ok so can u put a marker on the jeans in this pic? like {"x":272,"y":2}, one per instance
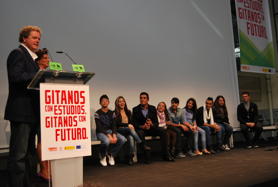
{"x":131,"y":135}
{"x":106,"y":147}
{"x":202,"y":134}
{"x":227,"y":132}
{"x":209,"y":131}
{"x":22,"y":162}
{"x":194,"y":137}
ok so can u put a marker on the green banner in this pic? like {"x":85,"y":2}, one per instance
{"x":255,"y":36}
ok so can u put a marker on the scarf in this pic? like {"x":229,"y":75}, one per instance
{"x":208,"y":116}
{"x":161,"y":119}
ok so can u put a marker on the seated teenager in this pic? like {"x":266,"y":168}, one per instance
{"x":122,"y":118}
{"x":111,"y":141}
{"x":220,"y":114}
{"x":176,"y":115}
{"x":163,"y":123}
{"x":247,"y":115}
{"x":145,"y":120}
{"x":190,"y":111}
{"x":205,"y":120}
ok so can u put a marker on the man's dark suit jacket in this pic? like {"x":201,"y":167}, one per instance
{"x":22,"y":104}
{"x":245,"y":116}
{"x":139,"y":119}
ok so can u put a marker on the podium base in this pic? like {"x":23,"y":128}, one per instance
{"x":67,"y":172}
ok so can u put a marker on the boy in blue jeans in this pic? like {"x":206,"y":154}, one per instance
{"x":111,"y":141}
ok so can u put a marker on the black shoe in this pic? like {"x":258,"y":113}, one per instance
{"x":147,"y":162}
{"x":147,"y":156}
{"x":130,"y":160}
{"x":168,"y":158}
{"x":147,"y":148}
{"x":212,"y":151}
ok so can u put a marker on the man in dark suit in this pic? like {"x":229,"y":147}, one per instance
{"x":247,"y":115}
{"x":22,"y":108}
{"x":145,"y":120}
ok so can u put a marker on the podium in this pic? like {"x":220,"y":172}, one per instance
{"x":65,"y":155}
{"x":59,"y":77}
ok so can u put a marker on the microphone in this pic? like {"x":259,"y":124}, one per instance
{"x":62,"y":52}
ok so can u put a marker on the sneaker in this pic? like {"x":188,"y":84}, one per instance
{"x":190,"y":153}
{"x":135,"y":159}
{"x":206,"y":152}
{"x":222,"y":148}
{"x":103,"y":161}
{"x":180,"y":155}
{"x":111,"y":160}
{"x":256,"y":146}
{"x":248,"y":147}
{"x":227,"y":148}
{"x":198,"y":153}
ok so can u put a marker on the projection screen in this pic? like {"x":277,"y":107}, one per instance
{"x":168,"y":48}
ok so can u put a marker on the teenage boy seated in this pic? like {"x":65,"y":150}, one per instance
{"x":206,"y":121}
{"x":146,"y":123}
{"x":247,"y":115}
{"x":178,"y":125}
{"x":111,"y":141}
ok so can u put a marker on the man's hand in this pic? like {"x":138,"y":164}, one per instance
{"x":250,"y":124}
{"x":149,"y":121}
{"x":216,"y":127}
{"x":184,"y":128}
{"x":146,"y":126}
{"x":130,"y":126}
{"x":194,"y":128}
{"x":112,"y":138}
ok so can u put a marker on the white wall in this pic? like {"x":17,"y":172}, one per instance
{"x":167,"y":48}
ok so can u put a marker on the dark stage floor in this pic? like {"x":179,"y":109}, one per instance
{"x":238,"y":167}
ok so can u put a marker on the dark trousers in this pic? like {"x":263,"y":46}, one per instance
{"x":22,"y":157}
{"x":188,"y":142}
{"x":257,"y":129}
{"x":171,"y":139}
{"x":154,"y":132}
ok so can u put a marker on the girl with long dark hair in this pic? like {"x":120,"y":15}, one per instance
{"x":220,"y":114}
{"x":122,"y":118}
{"x":190,"y":111}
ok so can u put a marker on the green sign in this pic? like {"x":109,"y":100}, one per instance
{"x":78,"y":68}
{"x":55,"y":66}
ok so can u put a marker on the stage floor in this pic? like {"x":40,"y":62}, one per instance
{"x":238,"y":167}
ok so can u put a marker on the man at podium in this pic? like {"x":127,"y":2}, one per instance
{"x":22,"y":107}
